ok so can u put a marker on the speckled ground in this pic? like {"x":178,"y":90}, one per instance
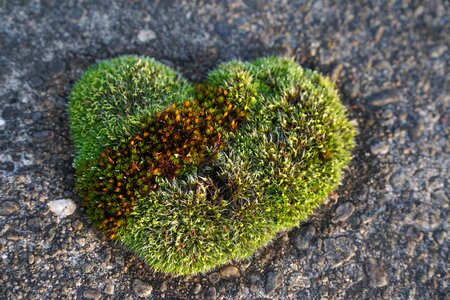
{"x":383,"y":236}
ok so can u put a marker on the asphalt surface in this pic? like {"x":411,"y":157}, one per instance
{"x":382,"y":235}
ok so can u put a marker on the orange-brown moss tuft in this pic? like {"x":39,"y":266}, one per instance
{"x":188,"y":134}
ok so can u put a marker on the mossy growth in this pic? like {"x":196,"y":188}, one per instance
{"x":191,"y":177}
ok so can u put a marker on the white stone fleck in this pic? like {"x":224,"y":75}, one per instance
{"x":2,"y":122}
{"x":62,"y":207}
{"x":381,"y":148}
{"x":146,"y":35}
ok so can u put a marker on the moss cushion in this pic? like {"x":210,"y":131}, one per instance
{"x":193,"y":176}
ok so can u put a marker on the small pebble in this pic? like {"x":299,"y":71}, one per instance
{"x":384,"y":97}
{"x":302,"y":239}
{"x":416,"y":131}
{"x":8,"y":208}
{"x":81,"y":241}
{"x":214,"y":277}
{"x":88,"y":267}
{"x":163,"y":287}
{"x":141,"y":288}
{"x":398,"y":180}
{"x":146,"y":35}
{"x":109,"y":289}
{"x":92,"y":294}
{"x":43,"y":136}
{"x":13,"y":236}
{"x":222,"y":29}
{"x":298,"y":280}
{"x":229,"y":271}
{"x":77,"y":225}
{"x":211,"y":293}
{"x":36,"y":81}
{"x":197,"y":289}
{"x":380,"y":148}
{"x":273,"y":281}
{"x":56,"y":66}
{"x":338,"y":250}
{"x":336,"y":72}
{"x":377,"y":274}
{"x":63,"y":207}
{"x":437,"y":51}
{"x":343,"y":212}
{"x":31,"y":259}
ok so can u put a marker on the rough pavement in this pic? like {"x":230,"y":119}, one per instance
{"x":383,"y":235}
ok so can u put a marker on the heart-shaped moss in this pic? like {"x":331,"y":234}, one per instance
{"x":193,"y":177}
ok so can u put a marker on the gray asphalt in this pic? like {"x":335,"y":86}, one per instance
{"x":382,"y":235}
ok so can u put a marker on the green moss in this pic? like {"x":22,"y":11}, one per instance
{"x":107,"y":104}
{"x":270,"y":143}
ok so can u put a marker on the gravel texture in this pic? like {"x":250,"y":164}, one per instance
{"x":383,"y":235}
